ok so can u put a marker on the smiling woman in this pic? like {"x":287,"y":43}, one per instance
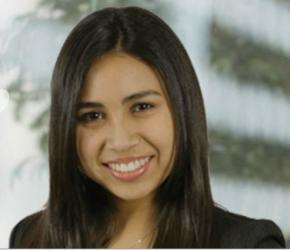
{"x":128,"y":147}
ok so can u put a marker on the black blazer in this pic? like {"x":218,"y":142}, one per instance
{"x":236,"y":231}
{"x":229,"y":231}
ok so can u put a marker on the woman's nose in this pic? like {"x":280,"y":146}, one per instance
{"x":121,"y":138}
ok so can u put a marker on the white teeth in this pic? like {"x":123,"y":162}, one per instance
{"x":132,"y":166}
{"x":123,"y":167}
{"x":137,"y":163}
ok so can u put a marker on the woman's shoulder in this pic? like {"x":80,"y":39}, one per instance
{"x":232,"y":230}
{"x":21,"y":229}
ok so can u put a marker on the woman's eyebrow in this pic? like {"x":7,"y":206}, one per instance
{"x":138,"y":95}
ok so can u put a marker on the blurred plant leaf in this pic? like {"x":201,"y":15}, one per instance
{"x":238,"y":56}
{"x":41,"y":120}
{"x":249,"y":158}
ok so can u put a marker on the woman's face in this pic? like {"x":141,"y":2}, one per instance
{"x":125,"y":130}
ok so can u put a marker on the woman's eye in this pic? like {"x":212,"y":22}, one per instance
{"x":91,"y":116}
{"x":142,"y":107}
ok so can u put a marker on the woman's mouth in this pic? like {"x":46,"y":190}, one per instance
{"x":130,"y":170}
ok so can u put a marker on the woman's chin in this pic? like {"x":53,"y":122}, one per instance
{"x":133,"y":195}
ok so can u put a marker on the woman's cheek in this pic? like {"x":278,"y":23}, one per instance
{"x":86,"y":146}
{"x":160,"y":132}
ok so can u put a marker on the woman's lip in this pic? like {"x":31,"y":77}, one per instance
{"x":130,"y":176}
{"x":126,"y":160}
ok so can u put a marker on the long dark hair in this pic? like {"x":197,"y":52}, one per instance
{"x":80,"y":213}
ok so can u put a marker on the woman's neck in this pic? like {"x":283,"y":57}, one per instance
{"x":137,"y":222}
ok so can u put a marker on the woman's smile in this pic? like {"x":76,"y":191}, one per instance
{"x":131,"y":170}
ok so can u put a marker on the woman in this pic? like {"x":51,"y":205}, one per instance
{"x":128,"y":148}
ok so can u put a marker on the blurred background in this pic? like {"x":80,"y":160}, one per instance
{"x":241,"y":53}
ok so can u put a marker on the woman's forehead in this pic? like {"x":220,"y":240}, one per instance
{"x":120,"y":73}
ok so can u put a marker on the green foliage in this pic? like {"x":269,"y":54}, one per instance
{"x":236,"y":55}
{"x":72,"y":10}
{"x":249,"y":158}
{"x":21,"y":97}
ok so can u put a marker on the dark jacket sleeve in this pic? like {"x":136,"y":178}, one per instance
{"x":268,"y":235}
{"x":236,"y":231}
{"x":20,"y":230}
